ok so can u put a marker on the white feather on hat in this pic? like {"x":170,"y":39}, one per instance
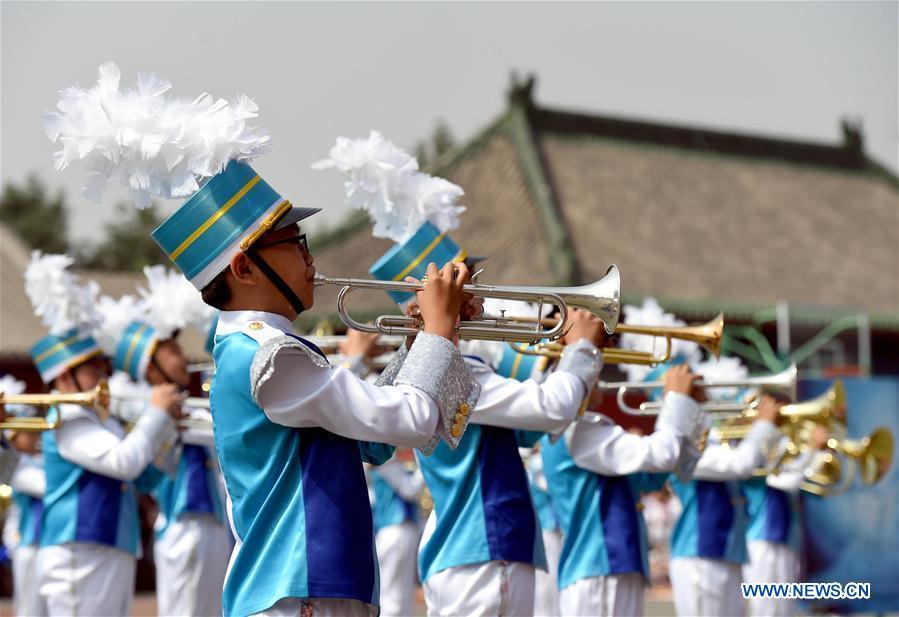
{"x":117,"y":316}
{"x":11,"y":385}
{"x":722,"y":369}
{"x":147,"y":141}
{"x":385,"y":181}
{"x":58,"y":297}
{"x":171,"y":303}
{"x":650,"y":313}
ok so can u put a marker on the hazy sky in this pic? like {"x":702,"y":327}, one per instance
{"x":322,"y":70}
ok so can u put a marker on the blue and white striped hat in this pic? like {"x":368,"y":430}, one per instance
{"x":226,"y":216}
{"x":56,"y":353}
{"x":411,"y":258}
{"x":68,"y":310}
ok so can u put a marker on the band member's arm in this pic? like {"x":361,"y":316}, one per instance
{"x":82,"y":440}
{"x":548,"y":406}
{"x":29,"y":478}
{"x":719,"y":462}
{"x":598,"y":445}
{"x":295,"y":387}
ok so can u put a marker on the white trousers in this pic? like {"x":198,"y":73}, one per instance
{"x":605,"y":596}
{"x":492,"y":588}
{"x":26,"y":596}
{"x":707,"y":587}
{"x":397,"y":547}
{"x":546,"y":584}
{"x":86,"y":579}
{"x":771,"y":563}
{"x":318,"y":607}
{"x":191,"y":558}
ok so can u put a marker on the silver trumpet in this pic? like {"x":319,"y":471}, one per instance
{"x":602,"y":298}
{"x":783,"y":383}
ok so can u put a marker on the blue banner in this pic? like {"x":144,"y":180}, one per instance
{"x":854,"y":536}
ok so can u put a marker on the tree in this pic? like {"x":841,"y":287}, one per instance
{"x":127,"y":244}
{"x":40,"y":220}
{"x":441,"y":141}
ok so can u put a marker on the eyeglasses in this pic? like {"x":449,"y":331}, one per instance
{"x":300,"y":239}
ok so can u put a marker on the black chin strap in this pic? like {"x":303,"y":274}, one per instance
{"x":165,"y":375}
{"x":276,"y":280}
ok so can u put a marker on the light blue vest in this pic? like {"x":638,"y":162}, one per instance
{"x":30,"y":512}
{"x":191,"y":491}
{"x":599,"y":515}
{"x":83,"y":506}
{"x":773,"y":514}
{"x":712,"y":523}
{"x":389,"y":508}
{"x":482,"y":503}
{"x":543,"y":504}
{"x":299,"y":500}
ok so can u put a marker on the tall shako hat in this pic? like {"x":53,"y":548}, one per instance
{"x":66,"y":308}
{"x":133,"y":327}
{"x":177,"y":148}
{"x":410,"y":207}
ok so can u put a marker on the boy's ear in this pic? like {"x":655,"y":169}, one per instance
{"x":243,"y":270}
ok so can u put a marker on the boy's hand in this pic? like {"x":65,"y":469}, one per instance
{"x":582,"y":324}
{"x":820,"y":437}
{"x":358,"y":343}
{"x":680,"y":379}
{"x":168,"y":397}
{"x":442,"y":298}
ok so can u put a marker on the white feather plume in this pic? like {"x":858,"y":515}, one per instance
{"x":11,"y":385}
{"x":722,"y":369}
{"x":117,"y":316}
{"x":171,"y":303}
{"x":385,"y":181}
{"x":147,"y":141}
{"x":58,"y":297}
{"x":650,"y":313}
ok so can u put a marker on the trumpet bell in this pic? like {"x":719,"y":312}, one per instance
{"x":830,"y":404}
{"x":876,"y":456}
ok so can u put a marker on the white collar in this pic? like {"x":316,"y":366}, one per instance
{"x":234,"y":321}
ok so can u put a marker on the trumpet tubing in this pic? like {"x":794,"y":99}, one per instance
{"x":783,"y":383}
{"x":602,"y":298}
{"x":96,"y":398}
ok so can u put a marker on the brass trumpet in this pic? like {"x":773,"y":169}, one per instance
{"x":783,"y":383}
{"x":869,"y":458}
{"x":707,"y":335}
{"x":97,"y":399}
{"x":602,"y":298}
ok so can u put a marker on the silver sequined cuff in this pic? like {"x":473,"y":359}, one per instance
{"x":435,"y":366}
{"x":584,"y":360}
{"x":263,"y":366}
{"x":681,"y":415}
{"x":388,"y":375}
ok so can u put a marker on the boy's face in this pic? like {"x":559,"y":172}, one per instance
{"x":84,"y":377}
{"x":291,"y":261}
{"x":170,"y":364}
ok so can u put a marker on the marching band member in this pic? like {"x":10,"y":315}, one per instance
{"x":481,"y":544}
{"x":774,"y":529}
{"x":708,"y":546}
{"x":289,"y":428}
{"x":596,"y":475}
{"x":192,"y":543}
{"x":29,"y":485}
{"x":89,"y":531}
{"x":397,"y":490}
